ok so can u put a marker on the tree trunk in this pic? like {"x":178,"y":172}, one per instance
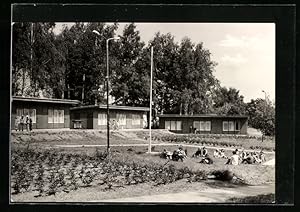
{"x":180,"y":109}
{"x":23,"y":82}
{"x":14,"y":81}
{"x":68,"y":91}
{"x":186,"y":108}
{"x":191,"y":110}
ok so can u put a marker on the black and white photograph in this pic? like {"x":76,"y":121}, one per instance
{"x":143,"y":112}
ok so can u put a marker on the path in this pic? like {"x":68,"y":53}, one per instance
{"x":208,"y":195}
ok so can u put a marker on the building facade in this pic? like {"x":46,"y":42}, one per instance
{"x":95,"y":117}
{"x":45,"y":113}
{"x":204,"y":124}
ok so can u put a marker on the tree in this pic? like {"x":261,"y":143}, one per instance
{"x":195,"y":80}
{"x":262,"y":115}
{"x":164,"y":73}
{"x":86,"y":59}
{"x":36,"y":59}
{"x":229,"y":102}
{"x":20,"y":56}
{"x":183,"y":76}
{"x":129,"y":81}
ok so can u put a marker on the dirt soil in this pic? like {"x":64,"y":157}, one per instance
{"x":98,"y":193}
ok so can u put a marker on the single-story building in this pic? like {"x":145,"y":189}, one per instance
{"x":204,"y":124}
{"x":45,"y":113}
{"x":95,"y":117}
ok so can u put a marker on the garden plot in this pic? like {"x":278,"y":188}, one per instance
{"x":42,"y":173}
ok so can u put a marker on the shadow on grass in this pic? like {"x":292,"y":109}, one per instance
{"x":223,"y":184}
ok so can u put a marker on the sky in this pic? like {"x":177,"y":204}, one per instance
{"x":244,"y":52}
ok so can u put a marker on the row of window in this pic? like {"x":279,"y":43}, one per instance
{"x":203,"y":125}
{"x":231,"y":126}
{"x":173,"y":125}
{"x":120,"y":118}
{"x":54,"y":115}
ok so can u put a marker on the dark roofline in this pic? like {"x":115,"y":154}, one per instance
{"x":111,"y":107}
{"x":201,"y":116}
{"x":45,"y":100}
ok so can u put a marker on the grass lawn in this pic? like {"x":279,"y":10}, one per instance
{"x":96,"y":137}
{"x":253,"y":174}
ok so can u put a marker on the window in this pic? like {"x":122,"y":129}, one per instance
{"x":32,"y":115}
{"x":225,"y":125}
{"x":102,"y":119}
{"x":121,"y":118}
{"x":50,"y":116}
{"x":228,"y":126}
{"x":237,"y":126}
{"x":19,"y":112}
{"x":136,"y":119}
{"x":197,"y":125}
{"x":202,"y":125}
{"x":178,"y":125}
{"x":55,"y":116}
{"x":25,"y":111}
{"x":231,"y":126}
{"x":208,"y":126}
{"x":173,"y":125}
{"x":61,"y":116}
{"x":167,"y":125}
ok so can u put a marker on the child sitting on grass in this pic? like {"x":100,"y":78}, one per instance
{"x":234,"y":159}
{"x":206,"y":160}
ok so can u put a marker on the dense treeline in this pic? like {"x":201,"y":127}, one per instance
{"x":72,"y":65}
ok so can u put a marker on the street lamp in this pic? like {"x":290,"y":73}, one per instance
{"x":107,"y":83}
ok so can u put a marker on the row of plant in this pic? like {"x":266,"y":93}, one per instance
{"x":50,"y":172}
{"x":208,"y":141}
{"x":221,"y":136}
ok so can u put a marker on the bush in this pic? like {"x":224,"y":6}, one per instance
{"x":235,"y":141}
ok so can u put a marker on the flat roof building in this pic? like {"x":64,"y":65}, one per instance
{"x":45,"y":113}
{"x":121,"y":117}
{"x":204,"y":123}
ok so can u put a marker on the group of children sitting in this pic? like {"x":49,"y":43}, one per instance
{"x":203,"y":153}
{"x":252,"y":157}
{"x":243,"y":157}
{"x":181,"y":154}
{"x":177,"y":155}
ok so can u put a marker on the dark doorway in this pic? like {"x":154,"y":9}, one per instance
{"x":90,"y":120}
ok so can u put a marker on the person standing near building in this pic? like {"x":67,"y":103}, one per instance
{"x":30,"y":123}
{"x":27,"y":123}
{"x":21,"y":123}
{"x":17,"y":123}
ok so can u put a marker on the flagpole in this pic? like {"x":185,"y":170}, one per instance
{"x":150,"y":117}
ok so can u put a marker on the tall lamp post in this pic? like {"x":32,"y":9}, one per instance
{"x":107,"y":84}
